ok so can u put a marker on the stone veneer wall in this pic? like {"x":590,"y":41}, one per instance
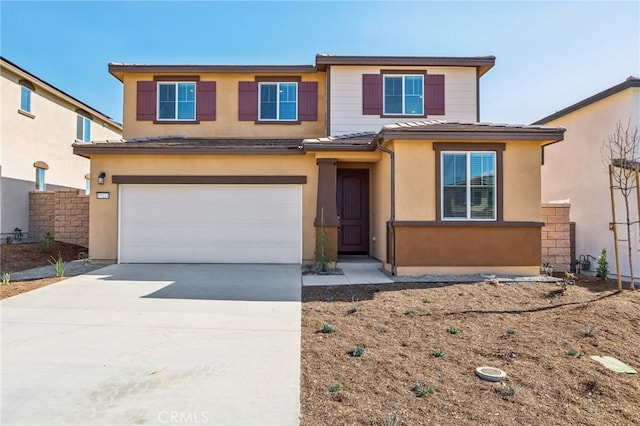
{"x":63,"y":213}
{"x":556,"y":236}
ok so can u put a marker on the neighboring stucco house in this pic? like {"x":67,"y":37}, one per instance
{"x":39,"y":125}
{"x":365,"y":155}
{"x":577,"y":171}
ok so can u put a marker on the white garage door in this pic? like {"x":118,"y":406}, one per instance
{"x":210,"y":224}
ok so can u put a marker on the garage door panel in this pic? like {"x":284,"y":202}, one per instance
{"x":210,"y":223}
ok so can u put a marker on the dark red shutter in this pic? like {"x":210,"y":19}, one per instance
{"x":248,"y":101}
{"x":372,"y":94}
{"x":206,"y":101}
{"x":146,"y":101}
{"x":434,"y":94}
{"x":308,"y":101}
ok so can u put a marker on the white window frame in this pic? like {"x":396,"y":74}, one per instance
{"x":25,"y":92}
{"x":403,"y":79}
{"x":277,"y":84}
{"x":41,"y":183}
{"x":177,"y":102}
{"x":468,"y":186}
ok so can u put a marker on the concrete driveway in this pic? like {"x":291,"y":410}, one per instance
{"x":155,"y":344}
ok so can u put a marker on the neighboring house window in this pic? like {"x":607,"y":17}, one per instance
{"x":87,"y":186}
{"x":177,"y":101}
{"x":278,"y":101}
{"x":25,"y":99}
{"x":83,"y":128}
{"x":468,"y":185}
{"x":403,"y":95}
{"x":392,"y":93}
{"x":40,"y":182}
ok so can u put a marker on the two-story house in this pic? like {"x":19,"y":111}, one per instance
{"x":279,"y":164}
{"x":39,"y":125}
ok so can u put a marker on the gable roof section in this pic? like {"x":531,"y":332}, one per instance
{"x":38,"y":82}
{"x":629,"y":82}
{"x":482,"y":63}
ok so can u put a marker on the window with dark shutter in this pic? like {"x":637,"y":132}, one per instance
{"x":434,"y":94}
{"x":308,"y":101}
{"x":248,"y":101}
{"x":206,"y":101}
{"x":372,"y":94}
{"x":146,"y":101}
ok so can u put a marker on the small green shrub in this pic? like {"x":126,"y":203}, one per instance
{"x":508,"y":391}
{"x":453,"y":330}
{"x":567,"y":280}
{"x":6,"y":278}
{"x":336,"y":388}
{"x":8,"y":239}
{"x":511,"y":332}
{"x":328,"y":328}
{"x":58,"y":265}
{"x":422,"y":390}
{"x":438,"y":353}
{"x":574,"y":353}
{"x":393,"y":420}
{"x":589,"y":332}
{"x":410,"y":312}
{"x":355,"y":307}
{"x":320,"y":310}
{"x":593,"y":383}
{"x":356,"y":351}
{"x":602,"y":271}
{"x":426,"y":300}
{"x":48,"y":242}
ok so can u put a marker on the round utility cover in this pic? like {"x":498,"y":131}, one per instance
{"x":491,"y":374}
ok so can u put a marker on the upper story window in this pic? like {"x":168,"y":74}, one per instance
{"x":177,"y":101}
{"x":25,"y":99}
{"x":403,"y":95}
{"x":394,"y":93}
{"x":278,"y":101}
{"x":189,"y":101}
{"x":83,"y":128}
{"x":26,"y":88}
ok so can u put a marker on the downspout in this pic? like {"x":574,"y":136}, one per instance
{"x":392,"y":237}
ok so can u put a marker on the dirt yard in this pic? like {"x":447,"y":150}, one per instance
{"x":438,"y":335}
{"x":21,"y":256}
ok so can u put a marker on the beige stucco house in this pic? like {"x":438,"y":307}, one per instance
{"x":39,"y":124}
{"x":576,"y":171}
{"x":381,"y":156}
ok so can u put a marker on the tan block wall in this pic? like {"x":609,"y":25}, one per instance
{"x":556,"y":236}
{"x":64,"y":213}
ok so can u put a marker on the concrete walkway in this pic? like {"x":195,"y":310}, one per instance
{"x":155,"y":344}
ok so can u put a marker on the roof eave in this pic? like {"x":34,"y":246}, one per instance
{"x":118,"y":70}
{"x":550,"y":136}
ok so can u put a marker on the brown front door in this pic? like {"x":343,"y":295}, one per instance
{"x":353,"y":210}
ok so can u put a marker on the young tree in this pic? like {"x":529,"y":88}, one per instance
{"x":621,"y":149}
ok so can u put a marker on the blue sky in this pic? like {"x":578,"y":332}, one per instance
{"x":549,"y":54}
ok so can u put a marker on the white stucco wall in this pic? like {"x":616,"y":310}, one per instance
{"x":346,"y":97}
{"x":575,"y":169}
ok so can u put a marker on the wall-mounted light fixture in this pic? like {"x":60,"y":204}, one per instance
{"x":101,"y":177}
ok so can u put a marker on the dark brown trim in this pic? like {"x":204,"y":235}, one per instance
{"x":477,"y":97}
{"x":498,"y":148}
{"x":26,"y":83}
{"x":483,"y":63}
{"x":41,"y":165}
{"x":479,"y":135}
{"x":404,"y":117}
{"x":278,"y":79}
{"x":117,"y":70}
{"x":465,"y":223}
{"x":404,"y":72}
{"x":176,"y":78}
{"x":207,"y":180}
{"x":156,"y":121}
{"x":87,"y":149}
{"x":277,"y":122}
{"x":630,"y":82}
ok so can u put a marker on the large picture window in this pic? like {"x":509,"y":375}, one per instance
{"x":278,"y":101}
{"x":468,"y":185}
{"x":403,"y":95}
{"x":177,"y":101}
